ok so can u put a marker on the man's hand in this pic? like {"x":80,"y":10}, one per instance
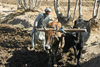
{"x":35,"y":28}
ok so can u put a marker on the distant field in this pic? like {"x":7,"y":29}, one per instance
{"x":8,"y":1}
{"x":50,"y":2}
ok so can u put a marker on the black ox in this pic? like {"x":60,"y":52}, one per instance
{"x":76,"y":40}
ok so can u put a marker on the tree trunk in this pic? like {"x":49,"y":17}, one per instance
{"x":31,"y":3}
{"x":40,"y":2}
{"x":60,"y":17}
{"x":19,"y":4}
{"x":68,"y":11}
{"x":75,"y":9}
{"x":94,"y":8}
{"x":28,"y":4}
{"x":80,"y":10}
{"x":97,"y":12}
{"x":25,"y":5}
{"x":56,"y":7}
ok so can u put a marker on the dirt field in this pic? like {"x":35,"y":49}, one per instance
{"x":15,"y":39}
{"x":14,"y":44}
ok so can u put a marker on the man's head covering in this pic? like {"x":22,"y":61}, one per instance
{"x":48,"y":10}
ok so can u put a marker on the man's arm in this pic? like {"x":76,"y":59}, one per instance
{"x":36,"y":21}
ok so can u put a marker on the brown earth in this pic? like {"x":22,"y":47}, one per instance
{"x":14,"y":52}
{"x":13,"y":49}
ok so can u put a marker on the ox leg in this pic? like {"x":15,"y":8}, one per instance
{"x":47,"y":46}
{"x":55,"y":57}
{"x":76,"y":55}
{"x":79,"y":55}
{"x":54,"y":60}
{"x":50,"y":59}
{"x":43,"y":44}
{"x":55,"y":50}
{"x":33,"y":41}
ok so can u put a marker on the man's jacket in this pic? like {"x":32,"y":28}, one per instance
{"x":42,"y":20}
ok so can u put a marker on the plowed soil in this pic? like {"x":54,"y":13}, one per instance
{"x":14,"y":52}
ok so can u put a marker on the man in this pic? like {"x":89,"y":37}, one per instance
{"x":41,"y":21}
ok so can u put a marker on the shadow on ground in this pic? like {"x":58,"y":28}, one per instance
{"x":23,"y":22}
{"x":95,"y":62}
{"x":25,"y":58}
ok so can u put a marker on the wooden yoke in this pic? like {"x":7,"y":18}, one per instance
{"x":66,"y":30}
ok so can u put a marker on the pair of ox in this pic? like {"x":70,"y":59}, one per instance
{"x":75,"y":40}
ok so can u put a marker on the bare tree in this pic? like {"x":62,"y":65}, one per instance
{"x":64,"y":19}
{"x":75,"y":9}
{"x":32,"y":4}
{"x":40,"y":2}
{"x":60,"y":17}
{"x":98,"y":8}
{"x":25,"y":5}
{"x":68,"y":12}
{"x":94,"y":8}
{"x":29,"y":4}
{"x":96,"y":11}
{"x":80,"y":8}
{"x":19,"y":4}
{"x":94,"y":20}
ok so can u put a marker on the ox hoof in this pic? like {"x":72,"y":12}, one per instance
{"x":77,"y":66}
{"x":50,"y":64}
{"x":55,"y":65}
{"x":47,"y":47}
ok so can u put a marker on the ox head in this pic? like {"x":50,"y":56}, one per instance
{"x":53,"y":36}
{"x":82,"y":24}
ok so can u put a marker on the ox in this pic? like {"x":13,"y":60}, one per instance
{"x":76,"y":40}
{"x":53,"y":39}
